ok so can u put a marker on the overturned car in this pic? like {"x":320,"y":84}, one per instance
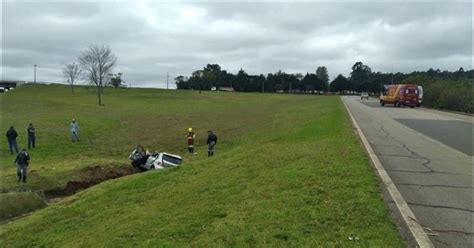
{"x":153,"y":161}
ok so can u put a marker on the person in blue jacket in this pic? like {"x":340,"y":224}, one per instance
{"x":11,"y":137}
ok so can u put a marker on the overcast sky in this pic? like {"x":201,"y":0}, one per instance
{"x":153,"y":38}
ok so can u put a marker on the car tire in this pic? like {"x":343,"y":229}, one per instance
{"x":412,"y":106}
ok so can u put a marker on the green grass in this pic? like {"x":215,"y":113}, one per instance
{"x":289,"y":171}
{"x":17,"y":203}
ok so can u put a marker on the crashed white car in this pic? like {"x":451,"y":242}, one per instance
{"x":156,"y":161}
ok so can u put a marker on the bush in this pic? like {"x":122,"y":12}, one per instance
{"x":450,"y":95}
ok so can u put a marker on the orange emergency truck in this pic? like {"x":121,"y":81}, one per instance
{"x":400,"y":94}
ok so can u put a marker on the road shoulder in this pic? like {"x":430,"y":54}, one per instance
{"x":409,"y":219}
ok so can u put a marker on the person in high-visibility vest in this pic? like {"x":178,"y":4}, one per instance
{"x":191,"y":136}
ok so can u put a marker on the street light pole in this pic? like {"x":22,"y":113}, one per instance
{"x":35,"y":73}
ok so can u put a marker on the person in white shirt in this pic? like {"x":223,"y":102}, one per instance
{"x":74,"y":130}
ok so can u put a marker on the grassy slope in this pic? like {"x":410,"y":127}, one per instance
{"x":157,"y":119}
{"x":18,"y":203}
{"x":289,"y":172}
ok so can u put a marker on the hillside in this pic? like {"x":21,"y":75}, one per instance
{"x":288,"y":171}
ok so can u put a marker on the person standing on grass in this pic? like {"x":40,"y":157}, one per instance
{"x":191,"y":136}
{"x":211,"y":143}
{"x":11,"y":137}
{"x":31,"y":136}
{"x":74,"y":130}
{"x":22,"y":160}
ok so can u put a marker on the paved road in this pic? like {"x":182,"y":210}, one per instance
{"x":428,"y":155}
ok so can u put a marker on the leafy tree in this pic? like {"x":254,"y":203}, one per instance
{"x":322,"y":74}
{"x":116,"y":80}
{"x":224,"y":79}
{"x":459,"y":74}
{"x":310,"y":82}
{"x":270,"y":83}
{"x":210,"y":75}
{"x":260,"y":81}
{"x":360,"y":77}
{"x":294,"y":82}
{"x":241,"y":80}
{"x":181,"y":83}
{"x":340,"y":84}
{"x":195,"y":81}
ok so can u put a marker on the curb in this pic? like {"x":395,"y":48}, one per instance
{"x":409,"y":218}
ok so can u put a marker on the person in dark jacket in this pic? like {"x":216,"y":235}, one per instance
{"x":211,"y":143}
{"x":11,"y":136}
{"x":31,"y":136}
{"x":22,"y":160}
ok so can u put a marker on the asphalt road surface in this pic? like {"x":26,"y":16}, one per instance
{"x":428,"y":155}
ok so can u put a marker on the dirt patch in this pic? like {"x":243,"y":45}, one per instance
{"x":91,"y":176}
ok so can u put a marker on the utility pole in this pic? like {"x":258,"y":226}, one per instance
{"x":167,"y":79}
{"x":35,"y":73}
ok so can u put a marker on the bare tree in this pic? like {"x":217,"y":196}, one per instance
{"x":71,"y":72}
{"x":97,"y":63}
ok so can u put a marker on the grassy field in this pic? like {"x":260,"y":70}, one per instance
{"x":289,"y":171}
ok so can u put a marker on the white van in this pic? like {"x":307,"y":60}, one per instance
{"x":420,"y":95}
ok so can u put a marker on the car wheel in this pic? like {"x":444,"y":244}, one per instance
{"x":412,"y":106}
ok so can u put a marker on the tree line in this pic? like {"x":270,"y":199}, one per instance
{"x":444,"y":89}
{"x":212,"y":76}
{"x":361,"y":79}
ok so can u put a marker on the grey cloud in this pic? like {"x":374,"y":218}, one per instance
{"x":151,"y":39}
